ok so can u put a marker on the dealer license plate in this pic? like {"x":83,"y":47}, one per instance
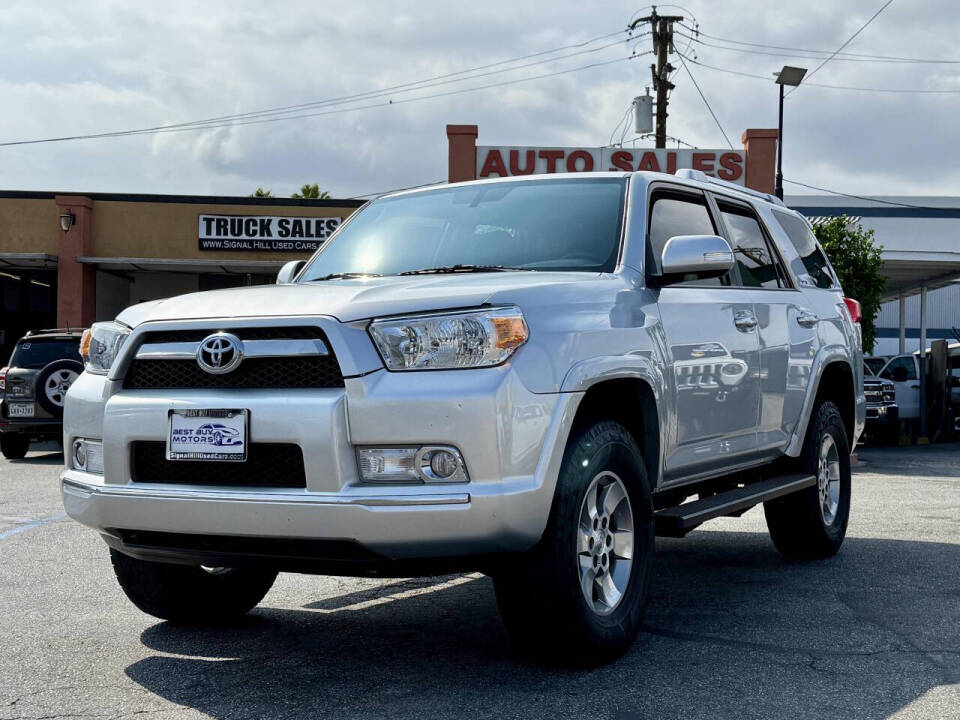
{"x":19,"y":409}
{"x":208,"y":435}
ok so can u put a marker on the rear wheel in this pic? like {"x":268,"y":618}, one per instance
{"x":579,"y":595}
{"x":190,"y":594}
{"x":813,"y":522}
{"x":14,"y":445}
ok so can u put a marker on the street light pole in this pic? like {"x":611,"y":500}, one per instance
{"x":788,"y":76}
{"x":778,"y":190}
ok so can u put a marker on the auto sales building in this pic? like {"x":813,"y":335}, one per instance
{"x":67,"y":260}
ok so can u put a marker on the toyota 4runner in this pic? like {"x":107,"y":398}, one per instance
{"x":530,"y":377}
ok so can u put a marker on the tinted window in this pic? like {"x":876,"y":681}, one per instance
{"x":566,"y":224}
{"x":679,"y":215}
{"x":805,"y":243}
{"x":904,"y":362}
{"x":755,"y":259}
{"x":35,"y":354}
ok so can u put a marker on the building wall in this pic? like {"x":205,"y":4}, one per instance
{"x":943,"y":314}
{"x":29,"y":225}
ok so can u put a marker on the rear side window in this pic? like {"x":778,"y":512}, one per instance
{"x":678,"y":214}
{"x":36,"y":354}
{"x":805,"y":243}
{"x":755,"y":258}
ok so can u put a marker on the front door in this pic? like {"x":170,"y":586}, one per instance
{"x":713,"y":350}
{"x":902,"y":371}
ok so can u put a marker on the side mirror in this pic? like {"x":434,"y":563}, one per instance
{"x":289,"y":271}
{"x":693,"y":257}
{"x":900,"y":374}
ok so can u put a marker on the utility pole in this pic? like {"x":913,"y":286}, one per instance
{"x":661,"y":28}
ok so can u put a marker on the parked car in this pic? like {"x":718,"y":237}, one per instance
{"x":875,"y":364}
{"x":883,"y":413}
{"x":904,"y":371}
{"x":33,"y":388}
{"x":522,"y":376}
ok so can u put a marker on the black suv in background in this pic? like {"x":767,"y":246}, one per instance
{"x":33,"y":387}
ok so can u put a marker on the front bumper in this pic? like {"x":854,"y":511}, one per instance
{"x":507,"y":435}
{"x":882,"y":417}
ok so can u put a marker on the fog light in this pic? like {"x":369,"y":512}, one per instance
{"x":407,"y":465}
{"x":442,"y":464}
{"x":88,"y":456}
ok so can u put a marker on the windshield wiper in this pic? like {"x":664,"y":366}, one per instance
{"x":343,"y":276}
{"x":462,"y":268}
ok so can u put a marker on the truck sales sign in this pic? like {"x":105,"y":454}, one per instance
{"x":266,"y":233}
{"x":508,"y":161}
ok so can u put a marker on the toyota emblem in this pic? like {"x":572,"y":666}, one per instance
{"x":219,"y":353}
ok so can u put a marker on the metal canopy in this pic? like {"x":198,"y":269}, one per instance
{"x":227,"y":267}
{"x":27,"y":261}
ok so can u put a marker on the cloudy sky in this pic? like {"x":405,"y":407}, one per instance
{"x":70,"y":68}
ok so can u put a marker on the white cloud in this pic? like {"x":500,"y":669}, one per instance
{"x":116,"y":65}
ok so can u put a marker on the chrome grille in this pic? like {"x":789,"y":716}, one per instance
{"x":274,"y":357}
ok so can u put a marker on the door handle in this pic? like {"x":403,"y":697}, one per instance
{"x":807,"y":319}
{"x":745,"y":321}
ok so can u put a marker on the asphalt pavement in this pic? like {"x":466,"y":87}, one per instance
{"x":732,"y":631}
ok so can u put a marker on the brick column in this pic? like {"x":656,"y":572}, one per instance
{"x":462,"y":162}
{"x":76,"y":282}
{"x":761,"y":149}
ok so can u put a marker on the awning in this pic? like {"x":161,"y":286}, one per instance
{"x":906,"y":272}
{"x":227,"y":267}
{"x":27,"y":261}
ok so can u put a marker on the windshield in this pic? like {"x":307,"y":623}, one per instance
{"x":571,"y":225}
{"x":34,"y":354}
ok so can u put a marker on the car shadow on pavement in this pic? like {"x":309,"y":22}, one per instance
{"x":731,"y":631}
{"x":47,"y":458}
{"x":927,"y":461}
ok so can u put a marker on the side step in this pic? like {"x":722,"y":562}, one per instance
{"x":678,"y":521}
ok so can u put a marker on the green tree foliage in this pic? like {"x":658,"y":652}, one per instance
{"x":312,"y":192}
{"x":260,"y":192}
{"x":856,"y":258}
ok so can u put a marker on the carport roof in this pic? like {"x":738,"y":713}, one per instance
{"x":920,"y":236}
{"x":230,"y":267}
{"x":27,"y":261}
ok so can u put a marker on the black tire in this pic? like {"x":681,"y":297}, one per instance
{"x":39,"y":386}
{"x":14,"y":446}
{"x":798,"y":526}
{"x":539,"y":595}
{"x":189,"y":594}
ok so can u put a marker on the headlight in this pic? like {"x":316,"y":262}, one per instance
{"x":481,"y":338}
{"x":100,"y":344}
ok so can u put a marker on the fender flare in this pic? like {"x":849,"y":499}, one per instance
{"x":825,"y":356}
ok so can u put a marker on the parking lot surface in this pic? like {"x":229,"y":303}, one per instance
{"x":731,"y":631}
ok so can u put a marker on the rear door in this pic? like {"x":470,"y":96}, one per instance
{"x":713,"y":351}
{"x":787,"y":326}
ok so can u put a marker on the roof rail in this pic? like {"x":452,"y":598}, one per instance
{"x":700,"y":176}
{"x":49,"y":331}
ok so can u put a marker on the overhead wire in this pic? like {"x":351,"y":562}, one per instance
{"x":705,"y":101}
{"x":289,"y":112}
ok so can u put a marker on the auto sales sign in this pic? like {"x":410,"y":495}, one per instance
{"x":267,"y":233}
{"x":496,"y":161}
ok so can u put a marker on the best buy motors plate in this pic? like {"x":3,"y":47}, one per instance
{"x":208,"y":435}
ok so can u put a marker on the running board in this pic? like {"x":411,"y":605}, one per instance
{"x":678,"y":521}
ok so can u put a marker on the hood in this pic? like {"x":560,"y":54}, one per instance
{"x":347,"y":300}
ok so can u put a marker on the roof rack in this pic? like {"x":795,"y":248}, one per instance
{"x":700,"y":176}
{"x":53,"y":331}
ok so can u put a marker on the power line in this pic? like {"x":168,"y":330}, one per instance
{"x":918,"y":91}
{"x":270,"y":114}
{"x":862,"y":197}
{"x":848,"y":41}
{"x":697,"y":31}
{"x":810,"y":56}
{"x":705,"y":101}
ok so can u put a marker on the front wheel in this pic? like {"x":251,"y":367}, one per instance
{"x":579,"y":595}
{"x":189,"y":594}
{"x":812,"y":523}
{"x":14,"y":446}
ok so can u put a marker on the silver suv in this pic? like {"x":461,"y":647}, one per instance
{"x":530,"y":377}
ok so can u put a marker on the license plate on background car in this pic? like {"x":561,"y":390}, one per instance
{"x":208,"y":435}
{"x":20,"y":410}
